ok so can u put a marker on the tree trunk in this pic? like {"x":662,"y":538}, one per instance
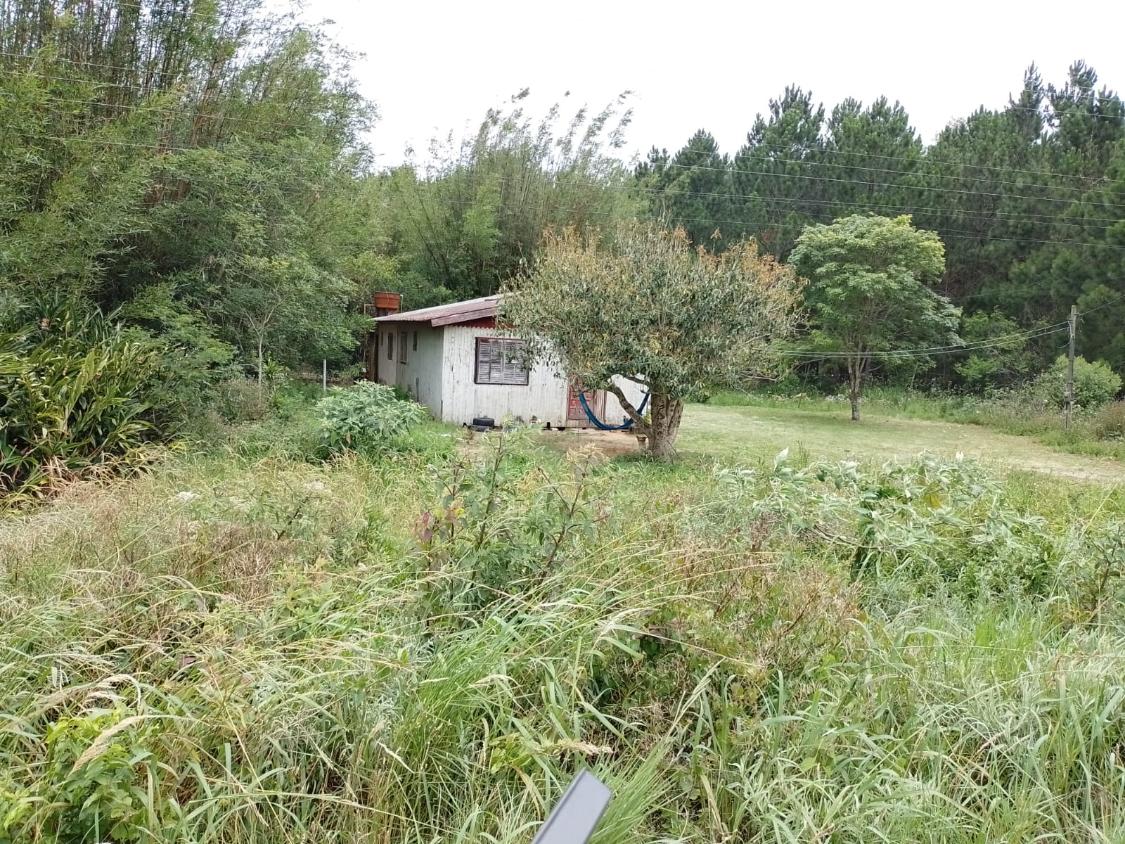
{"x":855,"y":384}
{"x":662,"y":425}
{"x":261,"y":365}
{"x":665,"y":425}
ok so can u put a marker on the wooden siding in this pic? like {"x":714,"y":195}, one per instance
{"x":421,"y":375}
{"x":544,"y":399}
{"x":440,"y":375}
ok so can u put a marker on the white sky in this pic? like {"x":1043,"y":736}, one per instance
{"x":433,"y":66}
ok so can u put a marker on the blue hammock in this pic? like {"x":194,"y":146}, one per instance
{"x":602,"y":426}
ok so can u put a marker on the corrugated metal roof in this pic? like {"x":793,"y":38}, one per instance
{"x":451,"y":314}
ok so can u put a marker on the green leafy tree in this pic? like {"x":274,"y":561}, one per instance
{"x":980,"y":183}
{"x":869,"y":292}
{"x":1002,"y":355}
{"x":652,"y":308}
{"x":189,"y":167}
{"x":474,"y":214}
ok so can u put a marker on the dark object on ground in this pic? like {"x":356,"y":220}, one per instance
{"x":483,"y":422}
{"x":577,"y":813}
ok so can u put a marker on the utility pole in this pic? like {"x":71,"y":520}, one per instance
{"x":1073,"y":326}
{"x":324,"y":374}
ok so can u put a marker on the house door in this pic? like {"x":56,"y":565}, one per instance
{"x":576,"y":414}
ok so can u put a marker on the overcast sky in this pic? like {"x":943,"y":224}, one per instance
{"x":433,"y":66}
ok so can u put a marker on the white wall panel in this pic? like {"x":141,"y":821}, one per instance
{"x":421,"y":375}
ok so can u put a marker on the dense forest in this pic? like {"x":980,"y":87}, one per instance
{"x":196,"y":170}
{"x":1027,"y":200}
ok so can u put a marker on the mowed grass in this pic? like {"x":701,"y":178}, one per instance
{"x":750,"y":434}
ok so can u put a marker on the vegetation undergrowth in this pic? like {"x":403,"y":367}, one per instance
{"x":424,"y":643}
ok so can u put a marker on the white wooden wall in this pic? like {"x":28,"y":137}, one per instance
{"x":440,"y":374}
{"x":543,"y":400}
{"x":634,"y":392}
{"x":421,"y":375}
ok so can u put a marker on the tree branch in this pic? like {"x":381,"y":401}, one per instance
{"x":627,"y":406}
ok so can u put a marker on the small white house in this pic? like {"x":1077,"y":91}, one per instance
{"x":456,"y":361}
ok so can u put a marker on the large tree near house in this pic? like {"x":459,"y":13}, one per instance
{"x":648,"y":306}
{"x":869,"y":294}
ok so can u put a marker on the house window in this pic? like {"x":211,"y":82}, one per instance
{"x":391,"y":346}
{"x":402,"y":347}
{"x":415,"y":342}
{"x":501,"y":361}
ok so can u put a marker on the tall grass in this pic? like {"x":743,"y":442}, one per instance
{"x":426,"y":646}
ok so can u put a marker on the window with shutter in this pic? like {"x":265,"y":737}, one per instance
{"x":501,"y":360}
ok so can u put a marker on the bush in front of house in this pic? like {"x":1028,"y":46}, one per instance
{"x":365,"y":417}
{"x":1095,"y":383}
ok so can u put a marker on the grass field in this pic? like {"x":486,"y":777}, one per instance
{"x":1094,"y":432}
{"x":249,"y":644}
{"x":741,"y":433}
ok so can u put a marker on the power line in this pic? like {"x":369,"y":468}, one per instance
{"x":945,"y":233}
{"x":922,"y":161}
{"x":1025,"y":217}
{"x":1055,"y":114}
{"x":734,"y":169}
{"x":1112,"y":301}
{"x":1005,"y":340}
{"x":103,"y":83}
{"x":715,"y":222}
{"x":923,"y":154}
{"x":147,"y":90}
{"x":1029,"y":217}
{"x":1015,"y":217}
{"x":131,"y":108}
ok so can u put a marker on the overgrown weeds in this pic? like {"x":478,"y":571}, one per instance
{"x":425,"y":646}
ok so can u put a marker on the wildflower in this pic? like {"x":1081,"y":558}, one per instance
{"x":186,"y":496}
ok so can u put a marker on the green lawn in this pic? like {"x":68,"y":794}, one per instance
{"x":756,"y":433}
{"x":732,"y":432}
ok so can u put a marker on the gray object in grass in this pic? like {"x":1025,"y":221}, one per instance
{"x":577,"y":814}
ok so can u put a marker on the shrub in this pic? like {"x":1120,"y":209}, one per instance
{"x":1094,"y":383}
{"x":999,"y":359}
{"x":1109,"y":424}
{"x":365,"y":417}
{"x":73,"y":395}
{"x":242,"y":400}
